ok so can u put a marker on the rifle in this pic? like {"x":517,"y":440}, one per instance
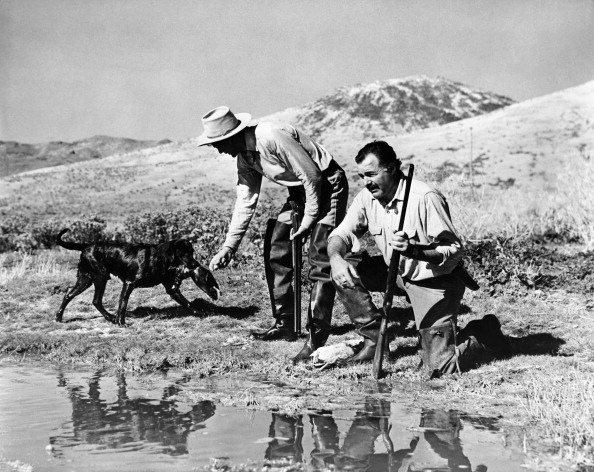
{"x":390,"y":285}
{"x":297,"y":254}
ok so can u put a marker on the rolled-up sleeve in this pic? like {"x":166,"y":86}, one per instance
{"x":249,"y":183}
{"x":353,"y":227}
{"x":440,"y":229}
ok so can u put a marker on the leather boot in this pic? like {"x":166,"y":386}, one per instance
{"x":282,"y":329}
{"x":438,"y":349}
{"x":370,"y":333}
{"x":278,"y":267}
{"x":316,"y":338}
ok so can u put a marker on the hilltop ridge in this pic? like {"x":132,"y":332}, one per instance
{"x":523,"y":145}
{"x":368,"y":111}
{"x":21,"y":157}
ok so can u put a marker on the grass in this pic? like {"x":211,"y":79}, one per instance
{"x":543,"y":325}
{"x":563,"y":405}
{"x":544,"y":299}
{"x":18,"y":265}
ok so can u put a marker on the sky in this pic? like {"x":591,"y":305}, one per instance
{"x":149,"y":69}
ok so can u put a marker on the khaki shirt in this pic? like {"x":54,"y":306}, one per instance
{"x":285,"y":155}
{"x":427,"y":222}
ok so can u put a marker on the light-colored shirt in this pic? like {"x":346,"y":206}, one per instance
{"x":285,"y":155}
{"x":427,"y":222}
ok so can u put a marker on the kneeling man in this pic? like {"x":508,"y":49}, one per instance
{"x":430,"y":272}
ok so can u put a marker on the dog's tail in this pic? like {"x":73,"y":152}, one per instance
{"x":68,"y":245}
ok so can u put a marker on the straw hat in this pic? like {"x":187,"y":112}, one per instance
{"x":220,"y":123}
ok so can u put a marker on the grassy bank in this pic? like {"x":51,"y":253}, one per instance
{"x":543,"y":391}
{"x":536,"y":275}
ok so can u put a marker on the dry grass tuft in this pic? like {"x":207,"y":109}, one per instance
{"x":563,"y":406}
{"x":27,"y":265}
{"x":575,"y":198}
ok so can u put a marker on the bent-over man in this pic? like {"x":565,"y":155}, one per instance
{"x":429,"y":273}
{"x":315,"y":181}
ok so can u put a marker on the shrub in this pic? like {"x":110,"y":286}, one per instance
{"x":25,"y":234}
{"x":204,"y":227}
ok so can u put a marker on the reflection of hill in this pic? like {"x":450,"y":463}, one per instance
{"x":124,"y":421}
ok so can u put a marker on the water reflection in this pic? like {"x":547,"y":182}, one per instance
{"x":127,"y":421}
{"x":435,"y":445}
{"x":321,"y":440}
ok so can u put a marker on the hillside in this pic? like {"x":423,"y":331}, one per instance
{"x":525,"y":145}
{"x":19,"y":157}
{"x":526,"y":142}
{"x":389,"y":107}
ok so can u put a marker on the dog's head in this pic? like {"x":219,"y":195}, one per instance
{"x":204,"y":279}
{"x":182,"y":253}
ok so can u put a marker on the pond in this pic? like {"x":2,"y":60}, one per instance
{"x":70,"y":419}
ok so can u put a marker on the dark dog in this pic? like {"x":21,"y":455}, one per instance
{"x":137,"y":265}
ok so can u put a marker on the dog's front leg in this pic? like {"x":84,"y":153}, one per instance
{"x":121,"y":314}
{"x":173,"y":292}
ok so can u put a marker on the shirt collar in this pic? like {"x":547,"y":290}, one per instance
{"x":399,"y":195}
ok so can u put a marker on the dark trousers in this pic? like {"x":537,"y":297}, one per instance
{"x":278,"y":250}
{"x":434,"y":301}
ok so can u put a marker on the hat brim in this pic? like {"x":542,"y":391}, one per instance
{"x":244,"y":120}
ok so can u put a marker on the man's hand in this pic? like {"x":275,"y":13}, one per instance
{"x":307,"y":224}
{"x":221,"y":259}
{"x":302,"y":233}
{"x":400,"y":243}
{"x":343,"y":273}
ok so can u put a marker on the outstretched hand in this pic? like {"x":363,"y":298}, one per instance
{"x":221,"y":259}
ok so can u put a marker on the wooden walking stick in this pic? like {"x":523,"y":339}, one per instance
{"x":297,"y":254}
{"x":378,"y":359}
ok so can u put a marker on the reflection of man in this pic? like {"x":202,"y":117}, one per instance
{"x":315,"y":181}
{"x":438,"y":447}
{"x":358,"y":449}
{"x":429,"y":270}
{"x":286,"y":433}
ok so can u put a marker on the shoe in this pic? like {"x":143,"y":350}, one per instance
{"x":319,"y":338}
{"x":282,"y":330}
{"x":370,"y":333}
{"x":366,"y":354}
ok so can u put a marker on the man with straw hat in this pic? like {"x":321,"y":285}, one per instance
{"x":288,"y":157}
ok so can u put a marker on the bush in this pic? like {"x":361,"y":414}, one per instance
{"x":25,"y":234}
{"x":204,"y":227}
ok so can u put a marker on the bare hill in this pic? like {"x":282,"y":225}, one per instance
{"x":526,"y":142}
{"x":20,"y":157}
{"x":525,"y":145}
{"x":389,"y":107}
